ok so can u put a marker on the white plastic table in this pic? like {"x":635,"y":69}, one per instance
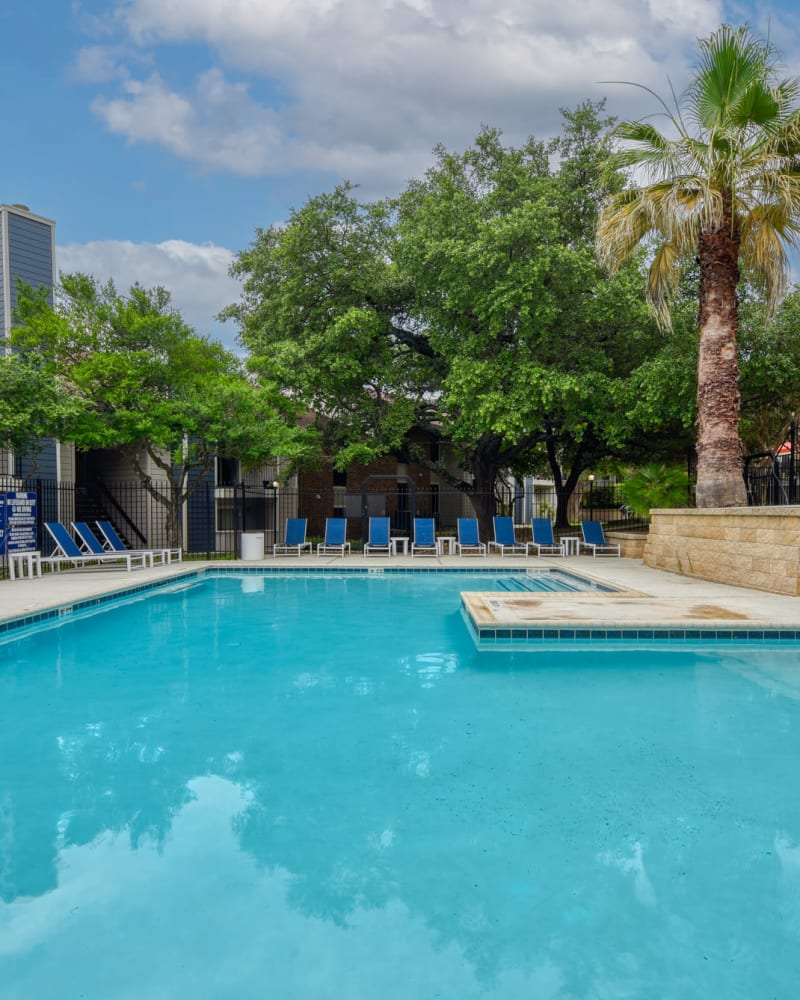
{"x":570,"y":544}
{"x":446,"y":545}
{"x":18,"y":562}
{"x":400,"y":541}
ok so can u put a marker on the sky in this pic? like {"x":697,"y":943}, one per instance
{"x":160,"y":134}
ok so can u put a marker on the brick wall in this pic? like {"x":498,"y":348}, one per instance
{"x":755,"y":547}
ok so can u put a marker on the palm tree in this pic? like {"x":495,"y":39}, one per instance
{"x":722,"y":187}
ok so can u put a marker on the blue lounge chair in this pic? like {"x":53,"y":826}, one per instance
{"x":89,"y":544}
{"x":467,"y":536}
{"x":543,"y":540}
{"x":424,"y":537}
{"x":378,"y":541}
{"x":68,"y":552}
{"x":594,"y":538}
{"x":335,"y":540}
{"x":113,"y":543}
{"x":294,"y":540}
{"x":505,"y":539}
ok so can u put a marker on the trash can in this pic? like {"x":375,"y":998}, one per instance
{"x":252,"y":546}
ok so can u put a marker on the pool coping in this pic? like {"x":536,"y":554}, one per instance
{"x":530,"y":638}
{"x":83,"y":603}
{"x":758,"y":616}
{"x":500,"y":619}
{"x":188,"y":572}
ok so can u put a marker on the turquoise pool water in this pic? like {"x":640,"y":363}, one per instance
{"x":316,"y":787}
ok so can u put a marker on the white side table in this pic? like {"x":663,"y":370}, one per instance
{"x":401,"y":541}
{"x":446,"y":545}
{"x":570,"y":545}
{"x":18,"y":562}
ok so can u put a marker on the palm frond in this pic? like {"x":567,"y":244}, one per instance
{"x":784,"y":137}
{"x":765,"y":232}
{"x":672,"y":116}
{"x":663,"y":280}
{"x":734,"y":160}
{"x":648,"y":151}
{"x":624,"y":222}
{"x":670,"y":211}
{"x":733,"y":62}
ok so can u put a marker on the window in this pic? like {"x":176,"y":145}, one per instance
{"x":339,"y":478}
{"x":227,"y":471}
{"x":225,"y":515}
{"x":402,"y":497}
{"x":339,"y":501}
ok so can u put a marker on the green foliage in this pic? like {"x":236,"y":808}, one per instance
{"x":655,"y":485}
{"x":320,"y":297}
{"x":729,"y":159}
{"x":138,"y":379}
{"x":601,"y":498}
{"x":719,"y":185}
{"x":581,"y":183}
{"x":34,"y":404}
{"x":471,"y":305}
{"x":769,"y":360}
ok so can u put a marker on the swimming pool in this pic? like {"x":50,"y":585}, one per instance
{"x":313,"y":786}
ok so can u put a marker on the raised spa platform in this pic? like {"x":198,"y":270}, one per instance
{"x":497,"y":616}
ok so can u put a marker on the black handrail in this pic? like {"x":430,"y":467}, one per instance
{"x":130,"y":526}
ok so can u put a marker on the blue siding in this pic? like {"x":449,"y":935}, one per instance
{"x":2,"y":280}
{"x":2,"y":277}
{"x":201,"y":514}
{"x":30,"y":254}
{"x":30,"y":258}
{"x":47,"y":465}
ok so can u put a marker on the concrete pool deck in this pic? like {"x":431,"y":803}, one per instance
{"x":650,"y":599}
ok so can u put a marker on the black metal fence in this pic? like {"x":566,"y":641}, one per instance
{"x":770,"y":480}
{"x":210,"y":523}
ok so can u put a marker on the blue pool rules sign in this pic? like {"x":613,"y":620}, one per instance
{"x":17,"y":522}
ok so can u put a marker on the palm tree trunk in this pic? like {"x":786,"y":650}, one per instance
{"x":719,"y":452}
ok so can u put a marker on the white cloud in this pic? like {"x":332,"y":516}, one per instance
{"x":364,"y":90}
{"x":218,"y":125}
{"x":96,"y":64}
{"x":197,"y":276}
{"x":213,"y":921}
{"x":687,"y":16}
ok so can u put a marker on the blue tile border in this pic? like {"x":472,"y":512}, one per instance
{"x":203,"y":572}
{"x":585,"y":584}
{"x":553,"y":571}
{"x":486,"y":636}
{"x":84,"y":603}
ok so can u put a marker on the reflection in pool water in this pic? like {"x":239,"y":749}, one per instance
{"x":322,"y":790}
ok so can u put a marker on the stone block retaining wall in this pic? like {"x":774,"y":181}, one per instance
{"x":631,"y":542}
{"x":755,"y":547}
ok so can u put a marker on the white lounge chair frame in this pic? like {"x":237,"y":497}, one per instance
{"x":514,"y":547}
{"x":598,"y":548}
{"x":551,"y":547}
{"x":375,"y":548}
{"x":478,"y":546}
{"x":424,"y":548}
{"x":68,"y":552}
{"x":113,"y":543}
{"x":333,"y":548}
{"x":293,"y":547}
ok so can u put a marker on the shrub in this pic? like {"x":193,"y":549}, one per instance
{"x":655,"y":485}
